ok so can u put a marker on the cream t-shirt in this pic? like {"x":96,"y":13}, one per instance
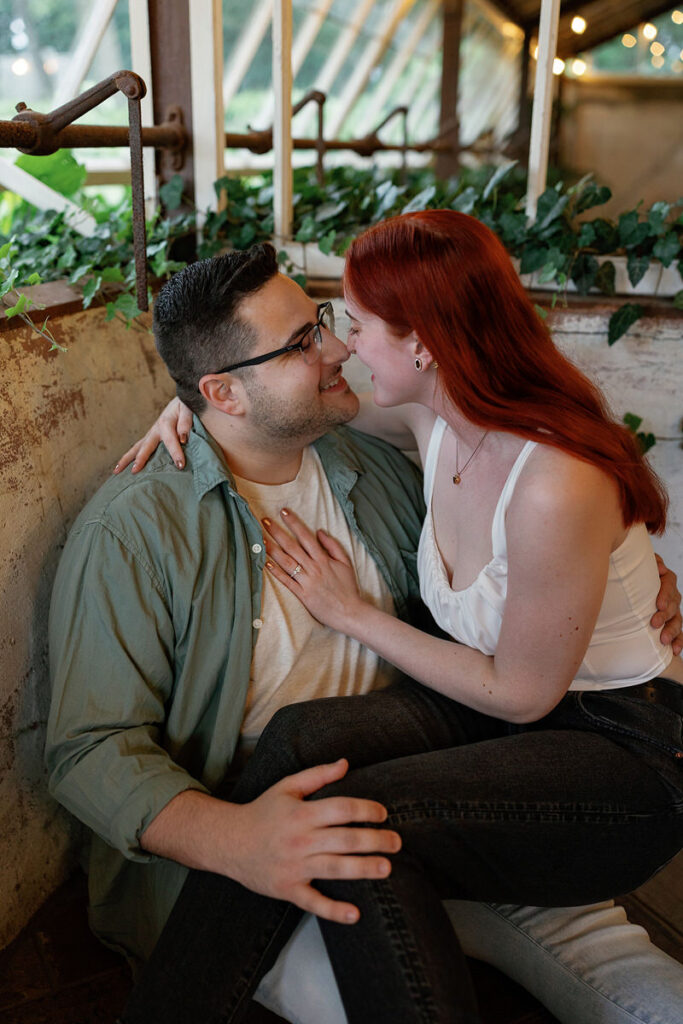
{"x":295,"y":657}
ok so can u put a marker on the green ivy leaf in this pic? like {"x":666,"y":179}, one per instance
{"x":33,"y":279}
{"x":632,"y":232}
{"x":547,"y":212}
{"x":667,"y":248}
{"x":586,"y":235}
{"x":495,"y":179}
{"x":678,"y":299}
{"x":657,"y":215}
{"x":637,"y":267}
{"x":110,"y":274}
{"x":466,"y":201}
{"x":533,"y":258}
{"x":605,"y":277}
{"x":421,"y":201}
{"x":327,"y":241}
{"x":592,"y":195}
{"x":584,"y":272}
{"x":60,"y":171}
{"x":19,"y":307}
{"x":79,"y":272}
{"x":90,"y":289}
{"x":646,"y":441}
{"x":622,"y":319}
{"x":171,"y":194}
{"x":543,"y":313}
{"x":8,"y":282}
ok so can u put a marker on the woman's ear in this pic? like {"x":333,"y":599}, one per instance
{"x":223,"y":392}
{"x":421,"y":352}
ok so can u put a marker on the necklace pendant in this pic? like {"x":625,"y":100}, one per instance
{"x":457,"y":478}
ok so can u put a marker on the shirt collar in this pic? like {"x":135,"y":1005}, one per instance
{"x":209,"y":468}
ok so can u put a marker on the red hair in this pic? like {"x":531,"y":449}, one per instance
{"x":447,"y":277}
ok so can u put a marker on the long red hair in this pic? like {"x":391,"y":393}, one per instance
{"x":447,"y":277}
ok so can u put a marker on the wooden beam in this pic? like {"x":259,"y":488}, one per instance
{"x":337,"y":57}
{"x":244,"y":50}
{"x":141,"y":63}
{"x":373,"y":54}
{"x":543,"y":105}
{"x":300,"y":50}
{"x":449,"y":127}
{"x":89,"y":38}
{"x":206,"y":67}
{"x":391,"y":75}
{"x":282,"y":124}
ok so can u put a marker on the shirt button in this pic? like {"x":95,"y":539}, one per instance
{"x":256,"y":548}
{"x":257,"y":623}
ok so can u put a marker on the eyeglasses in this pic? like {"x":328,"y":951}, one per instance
{"x":309,"y":344}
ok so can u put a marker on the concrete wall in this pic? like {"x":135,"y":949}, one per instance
{"x":629,"y":133}
{"x":64,"y":417}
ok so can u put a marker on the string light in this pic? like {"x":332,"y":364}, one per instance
{"x":650,"y":30}
{"x":578,"y":25}
{"x":657,"y":49}
{"x":558,"y":66}
{"x":628,"y":40}
{"x":579,"y":66}
{"x":677,"y":17}
{"x":657,"y":62}
{"x":21,"y":67}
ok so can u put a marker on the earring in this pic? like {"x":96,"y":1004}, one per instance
{"x":418,"y":365}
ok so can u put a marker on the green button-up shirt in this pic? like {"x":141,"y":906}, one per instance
{"x":151,"y":639}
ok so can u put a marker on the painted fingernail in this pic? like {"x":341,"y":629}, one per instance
{"x":179,"y":463}
{"x":116,"y":467}
{"x":284,"y":512}
{"x":266,"y":522}
{"x":183,"y":438}
{"x":134,"y":468}
{"x":269,"y":565}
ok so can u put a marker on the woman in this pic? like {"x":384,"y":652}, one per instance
{"x":535,"y":556}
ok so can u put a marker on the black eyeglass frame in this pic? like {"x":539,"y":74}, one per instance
{"x":323,"y":309}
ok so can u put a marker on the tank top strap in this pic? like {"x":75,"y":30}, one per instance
{"x":432,"y":458}
{"x":498,"y":535}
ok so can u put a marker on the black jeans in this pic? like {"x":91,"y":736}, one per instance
{"x":583,"y":805}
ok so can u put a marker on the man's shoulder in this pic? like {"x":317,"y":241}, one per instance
{"x":158,"y":491}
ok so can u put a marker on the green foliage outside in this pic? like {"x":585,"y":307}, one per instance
{"x":562,"y":245}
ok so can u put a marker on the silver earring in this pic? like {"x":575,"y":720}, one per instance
{"x":418,"y":365}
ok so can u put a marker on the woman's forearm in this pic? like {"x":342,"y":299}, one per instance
{"x":458,"y":671}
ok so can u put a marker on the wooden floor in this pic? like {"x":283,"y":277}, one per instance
{"x":55,"y":972}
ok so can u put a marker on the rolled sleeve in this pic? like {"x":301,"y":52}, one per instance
{"x":112,"y":668}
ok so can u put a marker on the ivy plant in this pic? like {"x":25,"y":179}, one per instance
{"x":562,"y":245}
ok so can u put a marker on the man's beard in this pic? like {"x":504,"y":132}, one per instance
{"x":280,"y":421}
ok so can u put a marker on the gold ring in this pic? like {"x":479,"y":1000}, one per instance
{"x":296,"y":570}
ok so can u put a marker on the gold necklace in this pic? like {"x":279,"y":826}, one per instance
{"x":457,"y":476}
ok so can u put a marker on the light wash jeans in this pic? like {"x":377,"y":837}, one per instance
{"x":587,"y":965}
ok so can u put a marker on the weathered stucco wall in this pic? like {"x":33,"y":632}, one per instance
{"x":64,"y":417}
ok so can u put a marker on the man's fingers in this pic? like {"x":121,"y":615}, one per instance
{"x":309,"y":899}
{"x":310,"y":780}
{"x":349,"y":841}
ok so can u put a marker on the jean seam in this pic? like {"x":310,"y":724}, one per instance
{"x":237,"y":1004}
{"x":390,"y":908}
{"x":614,"y":1000}
{"x":569,"y":813}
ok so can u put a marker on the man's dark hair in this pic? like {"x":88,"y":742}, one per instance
{"x":197,"y":326}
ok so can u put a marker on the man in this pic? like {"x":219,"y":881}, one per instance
{"x":170,"y":646}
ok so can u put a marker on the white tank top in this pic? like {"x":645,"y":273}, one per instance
{"x":624,"y":649}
